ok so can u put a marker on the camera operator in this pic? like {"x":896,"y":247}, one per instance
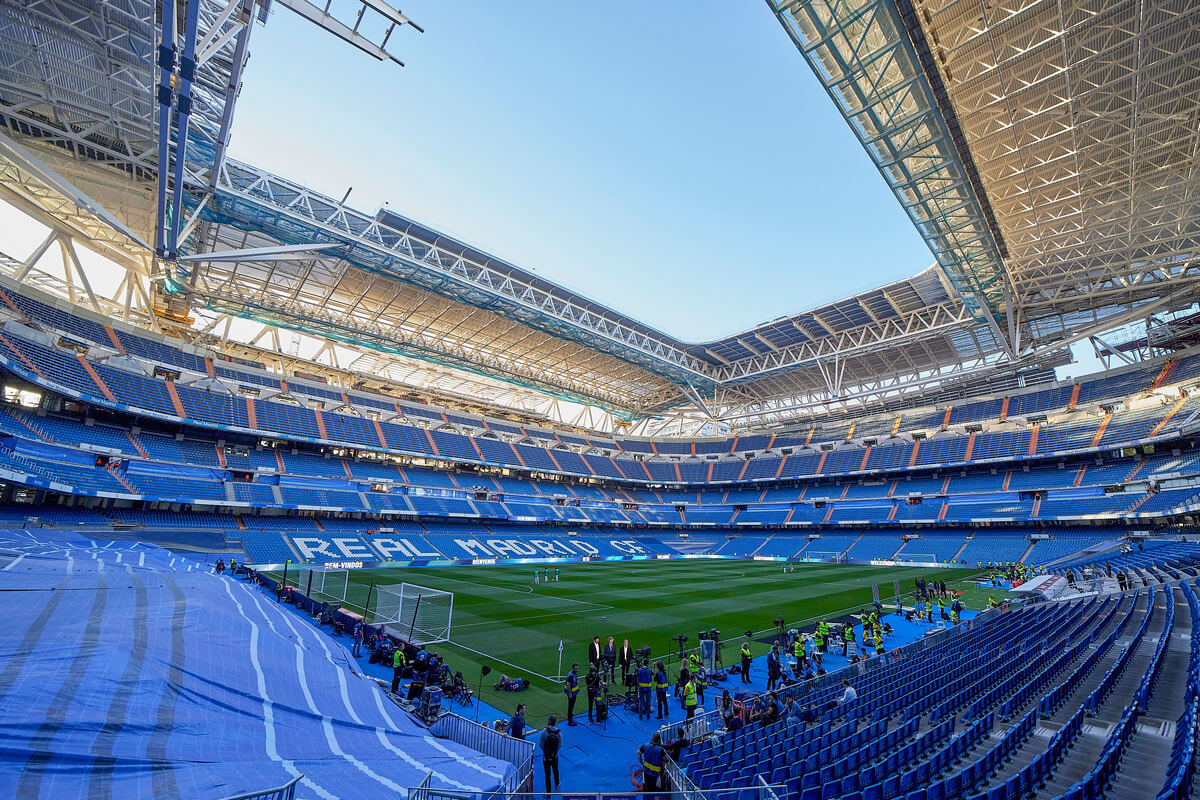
{"x":593,"y":689}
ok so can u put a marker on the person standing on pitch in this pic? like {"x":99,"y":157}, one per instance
{"x":625,"y":659}
{"x":571,"y":689}
{"x":595,"y":651}
{"x":358,"y":637}
{"x":550,"y":742}
{"x":609,"y":659}
{"x":746,"y":660}
{"x":661,"y":684}
{"x":645,"y":680}
{"x":556,"y":574}
{"x":535,"y":577}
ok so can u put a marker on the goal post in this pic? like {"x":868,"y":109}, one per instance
{"x":417,"y":613}
{"x":823,"y":555}
{"x":919,"y":558}
{"x":320,"y":583}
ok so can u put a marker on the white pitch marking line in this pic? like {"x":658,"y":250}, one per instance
{"x":518,"y":591}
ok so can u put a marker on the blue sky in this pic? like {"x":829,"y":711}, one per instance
{"x":677,"y":161}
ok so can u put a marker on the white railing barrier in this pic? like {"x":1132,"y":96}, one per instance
{"x":484,"y":739}
{"x":285,"y":792}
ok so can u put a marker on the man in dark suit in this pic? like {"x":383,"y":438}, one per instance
{"x":625,"y":658}
{"x":594,"y":653}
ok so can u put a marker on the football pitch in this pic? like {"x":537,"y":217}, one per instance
{"x":503,"y":620}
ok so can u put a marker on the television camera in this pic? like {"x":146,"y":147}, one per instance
{"x":682,"y":641}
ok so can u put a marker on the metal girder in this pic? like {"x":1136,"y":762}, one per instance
{"x":33,"y":186}
{"x":861,"y":53}
{"x":781,"y":409}
{"x":1083,"y":123}
{"x":80,"y":75}
{"x":250,"y":197}
{"x":887,"y":334}
{"x":328,"y":296}
{"x":352,"y":34}
{"x":79,"y":71}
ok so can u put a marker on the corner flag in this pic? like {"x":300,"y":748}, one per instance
{"x":560,"y":645}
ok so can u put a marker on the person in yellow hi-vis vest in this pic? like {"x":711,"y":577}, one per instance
{"x":689,"y":698}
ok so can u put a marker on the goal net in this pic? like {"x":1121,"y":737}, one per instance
{"x":323,"y":584}
{"x":919,"y":558}
{"x":417,"y":613}
{"x":822,"y":555}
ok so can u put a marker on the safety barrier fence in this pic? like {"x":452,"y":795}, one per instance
{"x":285,"y":792}
{"x":678,"y":780}
{"x":483,"y":739}
{"x":759,"y":792}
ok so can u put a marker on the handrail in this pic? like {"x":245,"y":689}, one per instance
{"x":285,"y":792}
{"x":489,"y":742}
{"x":678,"y":780}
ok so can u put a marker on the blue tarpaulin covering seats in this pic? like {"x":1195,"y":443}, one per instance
{"x":129,"y":672}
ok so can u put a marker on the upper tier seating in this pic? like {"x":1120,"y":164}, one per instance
{"x":298,"y":413}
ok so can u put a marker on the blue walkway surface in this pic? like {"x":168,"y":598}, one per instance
{"x":129,"y":672}
{"x":600,"y":757}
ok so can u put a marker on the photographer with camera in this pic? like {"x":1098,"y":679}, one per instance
{"x":592,"y":681}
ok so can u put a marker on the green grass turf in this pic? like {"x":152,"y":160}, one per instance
{"x":498,"y":611}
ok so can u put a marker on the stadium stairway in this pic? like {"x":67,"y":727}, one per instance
{"x":1084,"y":749}
{"x":1150,"y":747}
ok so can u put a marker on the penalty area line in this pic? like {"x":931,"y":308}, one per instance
{"x":527,"y":590}
{"x":502,"y":661}
{"x":520,"y":619}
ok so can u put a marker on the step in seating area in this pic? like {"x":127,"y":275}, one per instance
{"x":1040,"y":702}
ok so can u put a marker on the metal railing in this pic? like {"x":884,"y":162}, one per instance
{"x":760,"y":792}
{"x":483,"y":739}
{"x":678,"y":780}
{"x":696,"y":728}
{"x":285,"y":792}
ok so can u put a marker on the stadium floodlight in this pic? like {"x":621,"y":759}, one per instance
{"x":418,"y":614}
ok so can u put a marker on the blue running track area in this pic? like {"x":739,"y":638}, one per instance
{"x":129,"y":672}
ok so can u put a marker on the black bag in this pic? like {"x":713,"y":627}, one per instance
{"x":551,"y":744}
{"x":601,"y":711}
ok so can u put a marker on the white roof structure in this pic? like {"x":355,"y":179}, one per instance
{"x":1047,"y":152}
